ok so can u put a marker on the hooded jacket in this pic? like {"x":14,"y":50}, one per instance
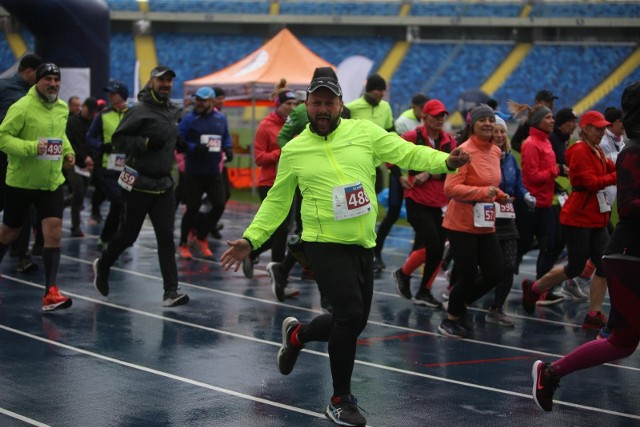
{"x":27,"y":120}
{"x":539,"y":168}
{"x":147,"y":135}
{"x":589,"y":172}
{"x":317,"y":164}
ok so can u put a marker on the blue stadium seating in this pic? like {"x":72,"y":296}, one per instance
{"x":123,"y":58}
{"x":561,"y":68}
{"x":614,"y":97}
{"x":340,"y":8}
{"x":211,"y":6}
{"x":445,"y":9}
{"x":336,"y":49}
{"x":444,"y":71}
{"x":6,"y":55}
{"x":196,"y":55}
{"x":123,"y":5}
{"x":586,"y":10}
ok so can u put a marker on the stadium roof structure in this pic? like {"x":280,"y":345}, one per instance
{"x":252,"y":79}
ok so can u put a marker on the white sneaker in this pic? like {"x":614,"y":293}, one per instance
{"x":571,"y":289}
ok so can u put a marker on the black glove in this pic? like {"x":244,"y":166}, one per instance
{"x":181,"y":145}
{"x":106,"y":148}
{"x":201,"y":149}
{"x":154,"y":144}
{"x":228,"y":151}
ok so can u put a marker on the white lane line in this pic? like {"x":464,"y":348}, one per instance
{"x":372,"y":322}
{"x":22,"y":418}
{"x":163,"y":374}
{"x":293,"y":408}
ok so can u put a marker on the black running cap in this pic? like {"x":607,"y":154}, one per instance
{"x":328,"y":82}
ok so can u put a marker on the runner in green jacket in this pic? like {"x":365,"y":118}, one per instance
{"x":333,"y":162}
{"x":34,"y":138}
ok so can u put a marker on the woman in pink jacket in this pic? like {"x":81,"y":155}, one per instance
{"x":470,"y":221}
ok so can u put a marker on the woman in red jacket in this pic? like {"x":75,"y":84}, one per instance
{"x":539,"y":171}
{"x":266,"y":152}
{"x":584,"y":218}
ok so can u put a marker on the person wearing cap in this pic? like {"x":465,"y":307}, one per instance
{"x":371,"y":106}
{"x":539,"y":172}
{"x":543,"y":97}
{"x":108,"y":161}
{"x":11,"y":89}
{"x":469,"y":222}
{"x":207,"y":135}
{"x":266,"y":152}
{"x":425,"y":199}
{"x":32,"y":135}
{"x":621,"y":262}
{"x":584,"y":218}
{"x":147,"y":135}
{"x":78,"y":177}
{"x":410,"y":118}
{"x":333,"y":163}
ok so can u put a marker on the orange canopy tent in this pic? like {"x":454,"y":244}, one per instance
{"x":253,"y":78}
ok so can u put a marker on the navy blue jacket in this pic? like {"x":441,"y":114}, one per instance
{"x":511,"y":181}
{"x":192,"y":126}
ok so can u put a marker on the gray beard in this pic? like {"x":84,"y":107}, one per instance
{"x":51,"y":98}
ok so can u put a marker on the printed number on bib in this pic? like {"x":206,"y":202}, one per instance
{"x":350,"y":201}
{"x":115,"y":162}
{"x":484,"y":214}
{"x":53,"y":150}
{"x":127,"y":178}
{"x":214,"y":142}
{"x":505,"y":211}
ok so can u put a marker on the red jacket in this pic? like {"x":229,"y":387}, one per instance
{"x":431,"y":193}
{"x":589,"y":172}
{"x":539,"y":168}
{"x":266,"y":150}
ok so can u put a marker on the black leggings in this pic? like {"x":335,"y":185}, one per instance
{"x":345,"y":277}
{"x":161,"y":210}
{"x":427,"y":223}
{"x":396,"y":196}
{"x":195,"y":187}
{"x":471,"y":251}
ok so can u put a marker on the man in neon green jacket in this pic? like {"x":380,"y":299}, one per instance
{"x":333,"y":163}
{"x":33,"y":136}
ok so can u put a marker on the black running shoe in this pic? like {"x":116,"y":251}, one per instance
{"x":453,"y":329}
{"x":549,"y":298}
{"x":529,"y":297}
{"x":425,"y":298}
{"x":287,"y":353}
{"x":545,"y":383}
{"x":278,"y":281}
{"x":25,"y":265}
{"x":403,"y":283}
{"x":344,"y":411}
{"x":172,"y":298}
{"x":100,"y":278}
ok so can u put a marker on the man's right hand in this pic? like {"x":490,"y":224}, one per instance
{"x":238,"y":250}
{"x":457,"y":158}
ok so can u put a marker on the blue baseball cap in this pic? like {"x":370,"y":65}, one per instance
{"x":116,"y":86}
{"x":205,"y":93}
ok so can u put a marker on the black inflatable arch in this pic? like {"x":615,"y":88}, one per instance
{"x":71,"y":33}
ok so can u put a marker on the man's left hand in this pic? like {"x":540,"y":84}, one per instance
{"x":238,"y":250}
{"x":457,"y":158}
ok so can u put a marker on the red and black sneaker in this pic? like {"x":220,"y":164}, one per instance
{"x":54,"y":300}
{"x":529,"y":297}
{"x":545,"y":383}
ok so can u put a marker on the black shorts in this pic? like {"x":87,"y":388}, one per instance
{"x":48,"y":204}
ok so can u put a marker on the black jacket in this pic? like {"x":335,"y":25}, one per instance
{"x":147,"y":135}
{"x":77,"y":127}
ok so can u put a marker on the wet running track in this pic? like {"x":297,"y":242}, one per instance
{"x":127,"y":361}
